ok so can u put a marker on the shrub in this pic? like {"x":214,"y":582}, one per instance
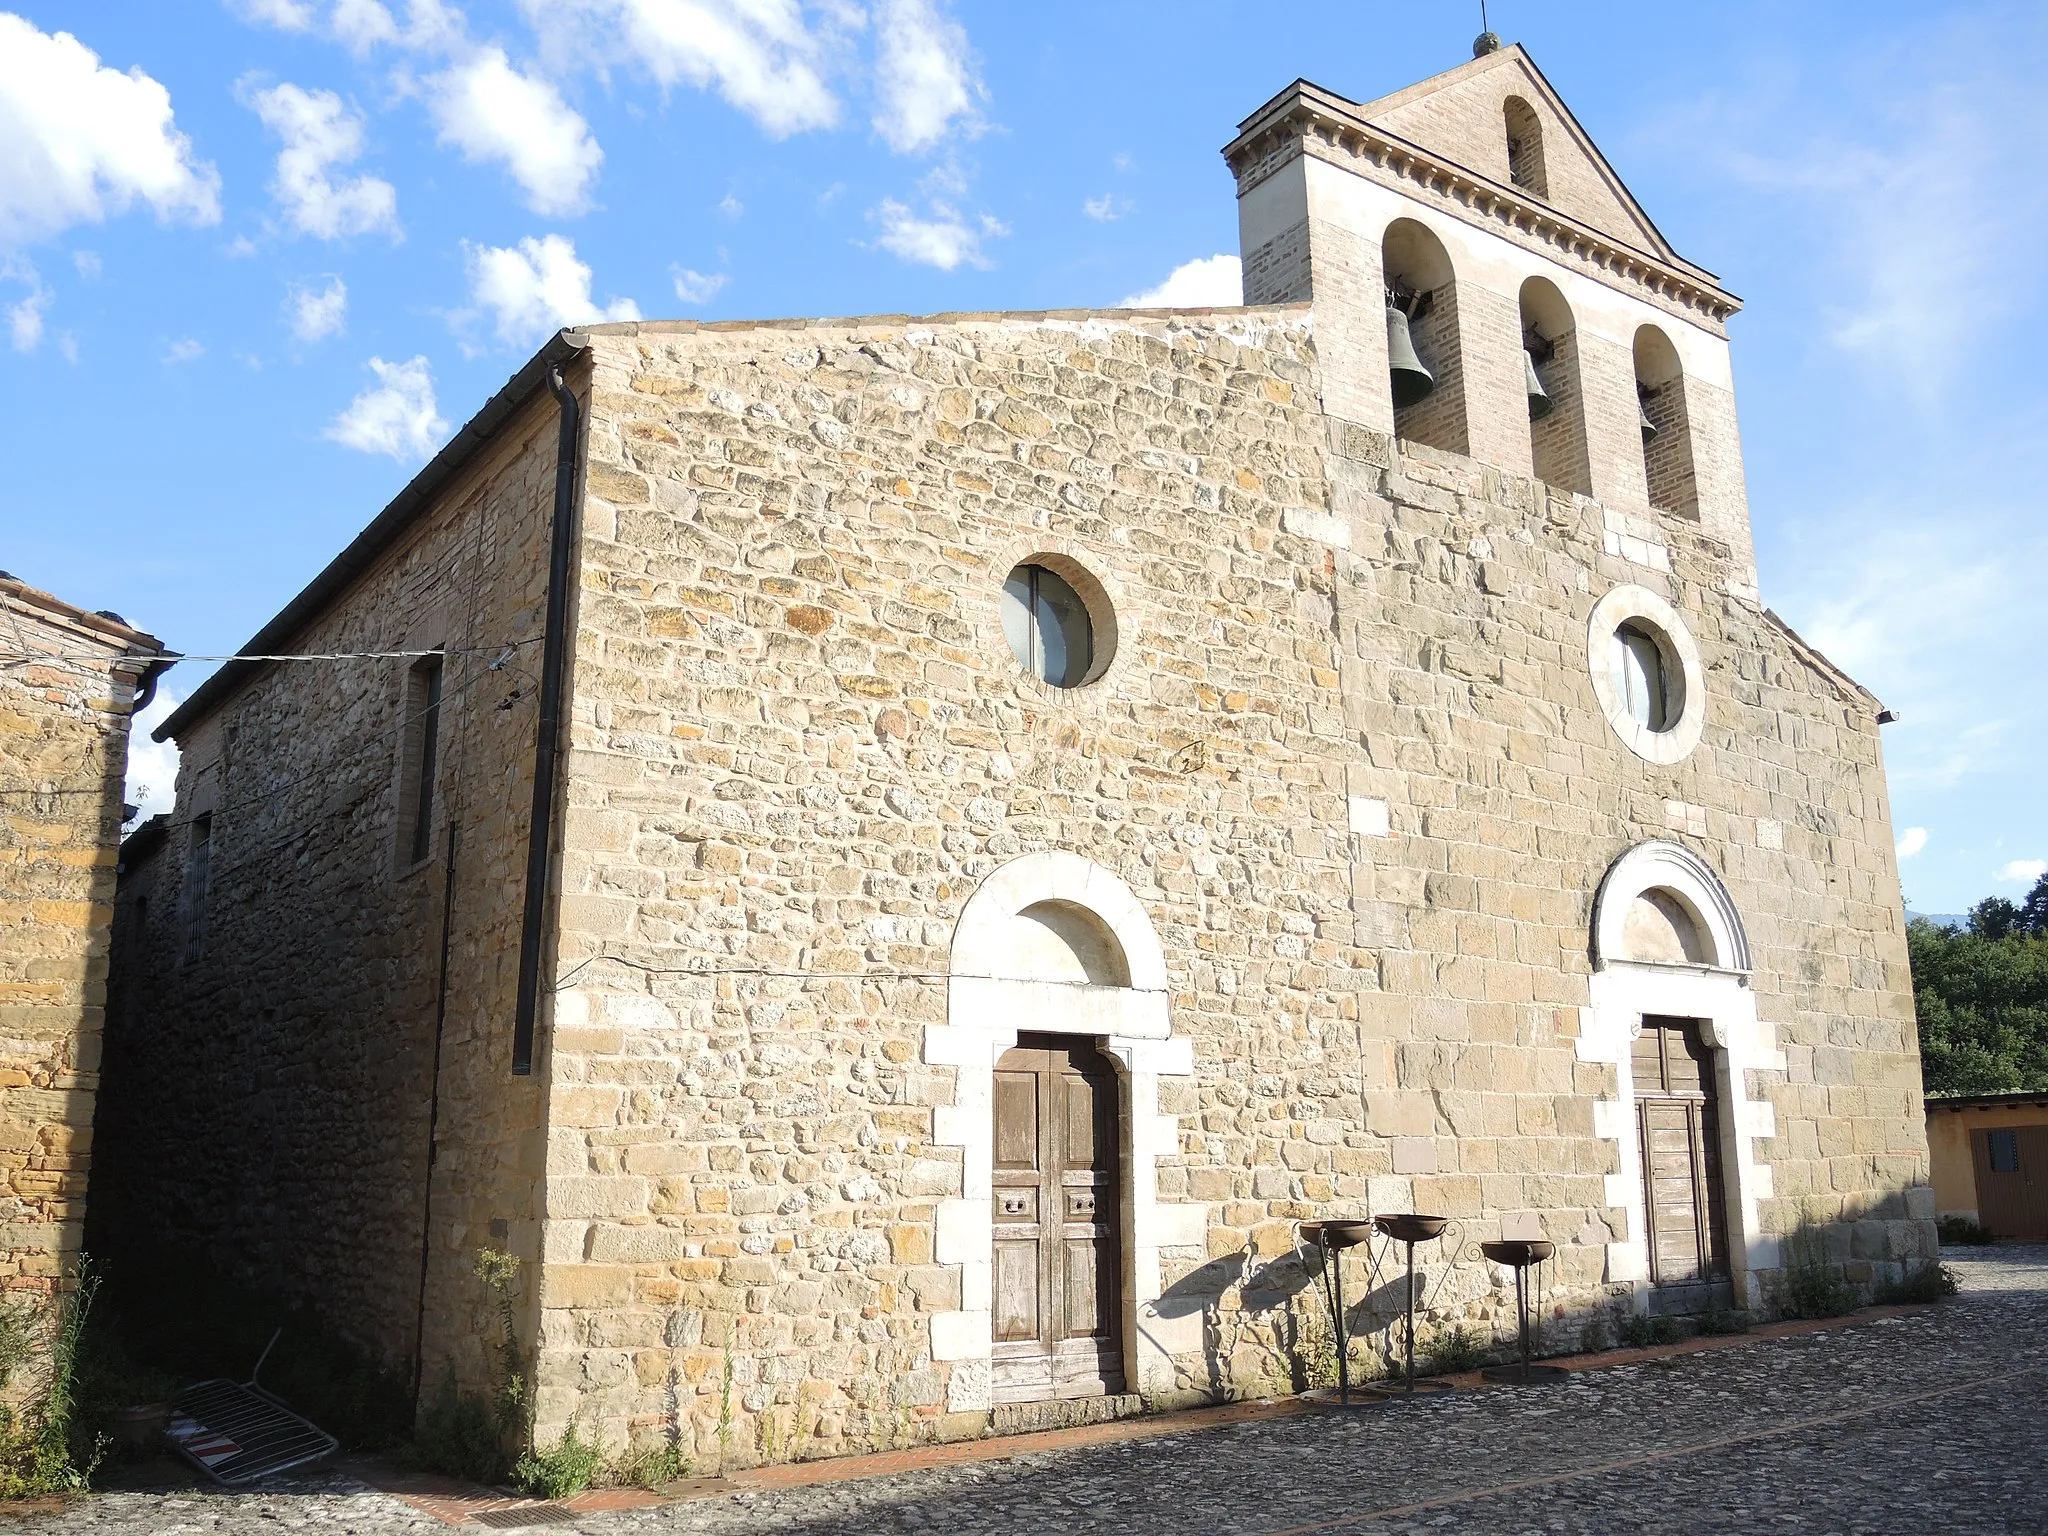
{"x":649,"y":1468}
{"x":38,"y":1453}
{"x":1640,"y":1330}
{"x":1927,"y":1282}
{"x":1962,"y":1232}
{"x":565,"y":1468}
{"x":1718,"y":1319}
{"x":1814,"y":1287}
{"x":1594,"y":1337}
{"x":1454,"y":1350}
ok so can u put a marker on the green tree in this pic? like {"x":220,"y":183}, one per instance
{"x":1981,"y":998}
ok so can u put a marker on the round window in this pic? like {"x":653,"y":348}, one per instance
{"x":1646,"y":673}
{"x":1641,"y":679}
{"x":1049,"y":626}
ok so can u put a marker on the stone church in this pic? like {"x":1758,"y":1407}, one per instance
{"x":900,"y":858}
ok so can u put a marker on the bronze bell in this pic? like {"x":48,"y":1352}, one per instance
{"x":1650,"y":428}
{"x":1412,"y":381}
{"x":1540,"y":403}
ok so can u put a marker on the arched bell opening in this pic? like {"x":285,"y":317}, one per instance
{"x":1425,"y":368}
{"x":1525,"y":147}
{"x":1663,"y":425}
{"x":1550,"y":372}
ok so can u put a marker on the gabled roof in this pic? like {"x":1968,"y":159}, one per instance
{"x":1401,"y":111}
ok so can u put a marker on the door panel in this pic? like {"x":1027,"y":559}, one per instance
{"x":1678,"y":1128}
{"x":2012,"y":1200}
{"x":1058,"y":1264}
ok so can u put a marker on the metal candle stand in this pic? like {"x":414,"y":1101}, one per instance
{"x":1410,"y":1229}
{"x":1521,"y":1255}
{"x":1331,"y":1239}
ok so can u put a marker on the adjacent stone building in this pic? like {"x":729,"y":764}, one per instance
{"x":1049,"y":802}
{"x":68,"y":683}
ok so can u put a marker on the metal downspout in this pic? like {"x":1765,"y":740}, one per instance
{"x":554,"y":656}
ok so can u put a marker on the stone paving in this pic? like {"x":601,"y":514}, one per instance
{"x":1926,"y":1422}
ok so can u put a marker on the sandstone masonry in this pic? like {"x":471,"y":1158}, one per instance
{"x":68,"y":679}
{"x":1347,"y":854}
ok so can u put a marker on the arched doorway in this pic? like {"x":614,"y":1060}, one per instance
{"x":1673,"y":1011}
{"x":1058,"y":1222}
{"x":1058,"y":1028}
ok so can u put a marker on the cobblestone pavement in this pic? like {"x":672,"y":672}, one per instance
{"x":1930,"y":1422}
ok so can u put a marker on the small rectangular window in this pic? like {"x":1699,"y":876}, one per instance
{"x":198,"y":876}
{"x":2004,"y":1147}
{"x":422,"y":748}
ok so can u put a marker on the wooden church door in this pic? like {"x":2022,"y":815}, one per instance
{"x":1678,"y":1127}
{"x":1058,"y":1272}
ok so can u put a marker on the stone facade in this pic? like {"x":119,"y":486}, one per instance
{"x":68,"y":679}
{"x":1359,"y":868}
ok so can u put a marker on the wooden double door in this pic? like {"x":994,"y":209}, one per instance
{"x":1678,"y":1126}
{"x":2012,"y":1179}
{"x":1058,"y":1278}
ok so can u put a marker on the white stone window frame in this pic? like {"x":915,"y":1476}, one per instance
{"x":1718,"y":994}
{"x":987,"y":1007}
{"x":1683,"y":671}
{"x":1101,"y":594}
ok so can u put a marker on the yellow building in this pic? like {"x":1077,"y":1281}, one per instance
{"x":1990,"y":1161}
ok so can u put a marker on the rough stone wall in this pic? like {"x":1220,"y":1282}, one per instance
{"x":66,"y":682}
{"x":801,"y":740}
{"x":1350,"y":760}
{"x":270,"y":1082}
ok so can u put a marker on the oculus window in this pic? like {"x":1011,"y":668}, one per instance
{"x":1646,"y":674}
{"x":1049,"y":626}
{"x":1639,"y":677}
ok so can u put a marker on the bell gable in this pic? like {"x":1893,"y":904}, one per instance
{"x":1498,"y":116}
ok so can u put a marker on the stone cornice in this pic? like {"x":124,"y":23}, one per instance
{"x":1305,"y":120}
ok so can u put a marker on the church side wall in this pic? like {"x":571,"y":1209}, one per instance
{"x":270,"y":1071}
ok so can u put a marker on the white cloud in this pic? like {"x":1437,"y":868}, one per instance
{"x":2020,"y":871}
{"x":88,"y":265}
{"x":697,"y":287}
{"x":285,"y":15}
{"x":923,"y":80}
{"x":361,"y":24}
{"x":760,"y":55}
{"x":25,"y":315}
{"x":82,"y":141}
{"x":731,"y":206}
{"x":187,"y":350}
{"x":491,"y":111}
{"x":398,"y":417}
{"x":319,"y":134}
{"x":1911,"y":841}
{"x":317,"y":313}
{"x":536,"y":287}
{"x":1107,"y":208}
{"x":946,"y":240}
{"x":152,"y":781}
{"x":1204,"y":283}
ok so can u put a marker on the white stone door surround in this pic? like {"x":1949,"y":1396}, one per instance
{"x":998,"y":987}
{"x":1717,"y":993}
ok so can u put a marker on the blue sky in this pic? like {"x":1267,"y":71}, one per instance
{"x":258,"y":258}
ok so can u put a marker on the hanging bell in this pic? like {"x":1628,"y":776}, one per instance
{"x":1540,"y":403}
{"x":1412,"y":381}
{"x":1650,"y":428}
